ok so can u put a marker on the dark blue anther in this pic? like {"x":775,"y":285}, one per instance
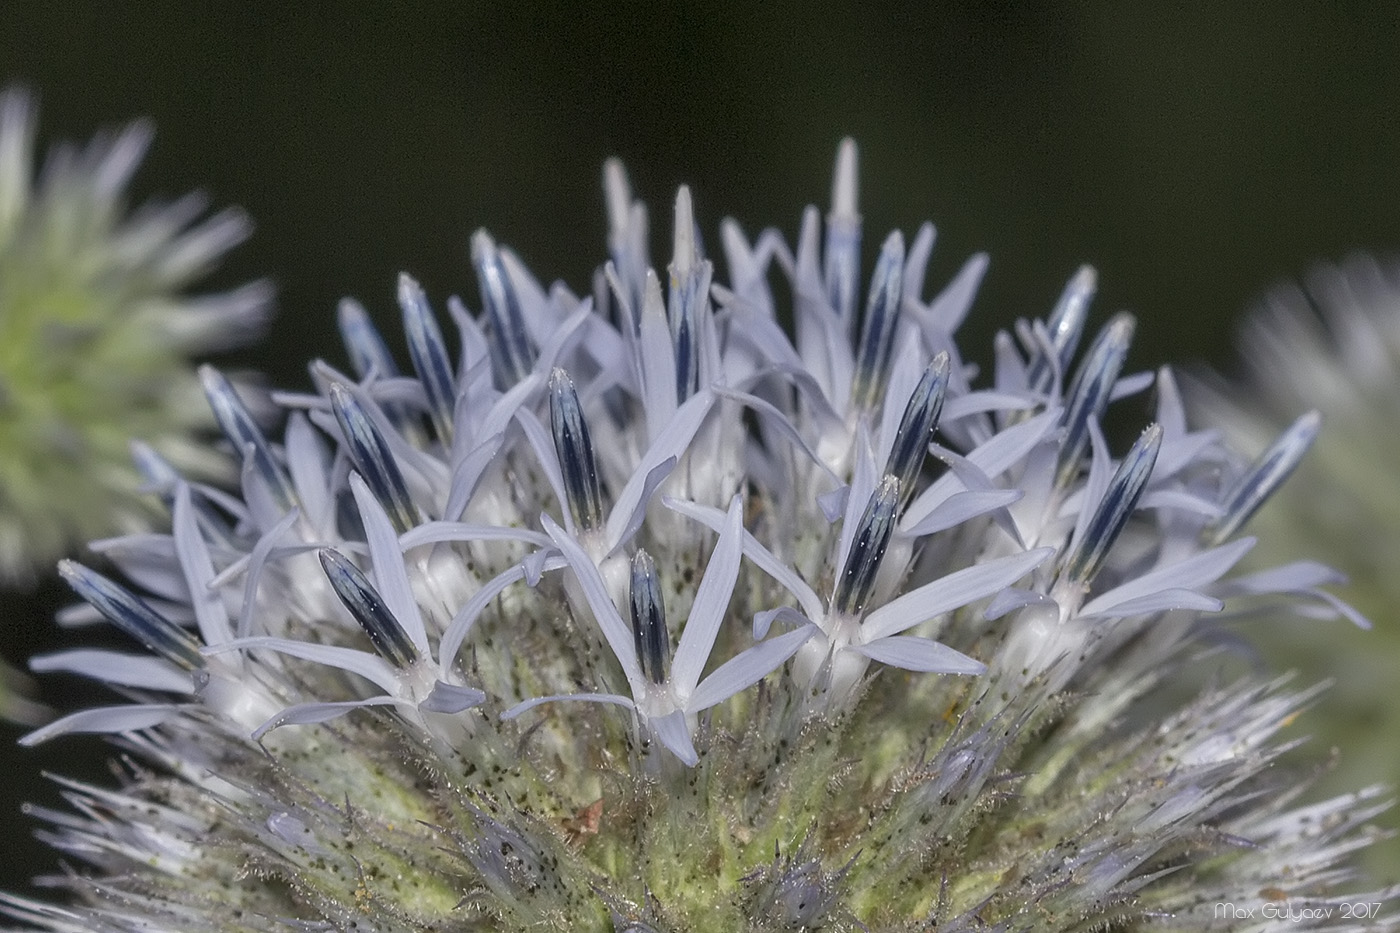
{"x":856,"y":583}
{"x":134,"y":616}
{"x":1119,"y":499}
{"x":429,"y":355}
{"x":1264,"y":476}
{"x":841,"y":256}
{"x":574,"y":448}
{"x":510,"y":344}
{"x":1091,"y":389}
{"x":1065,"y":326}
{"x":365,"y":604}
{"x":648,"y":618}
{"x":916,"y":426}
{"x":245,"y":435}
{"x":368,"y":352}
{"x":877,"y":330}
{"x":372,"y":458}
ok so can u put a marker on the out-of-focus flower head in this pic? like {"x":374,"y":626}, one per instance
{"x":96,"y":334}
{"x":1331,"y":345}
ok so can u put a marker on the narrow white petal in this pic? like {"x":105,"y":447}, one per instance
{"x":369,"y":666}
{"x":1190,"y":574}
{"x":440,"y":532}
{"x":386,"y":560}
{"x":711,"y":603}
{"x":671,"y":442}
{"x":207,"y":602}
{"x":451,"y":698}
{"x":305,"y":714}
{"x":960,"y":507}
{"x":763,"y":621}
{"x":105,"y":719}
{"x":786,"y":577}
{"x":548,"y":460}
{"x":951,"y":592}
{"x":617,"y":632}
{"x":672,"y":731}
{"x":310,"y":471}
{"x":141,"y":671}
{"x":612,"y":698}
{"x":747,"y":668}
{"x":919,"y":654}
{"x":257,"y":560}
{"x":624,"y":530}
{"x":1161,"y":601}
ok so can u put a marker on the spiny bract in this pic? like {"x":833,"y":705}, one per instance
{"x":640,"y":615}
{"x":95,"y":338}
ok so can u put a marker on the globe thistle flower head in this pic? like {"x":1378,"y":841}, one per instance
{"x":635,"y":613}
{"x":96,"y":330}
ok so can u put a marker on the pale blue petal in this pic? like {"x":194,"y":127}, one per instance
{"x":912,"y":653}
{"x":310,"y":471}
{"x":141,"y":671}
{"x":671,"y":442}
{"x":369,"y":666}
{"x":617,"y":632}
{"x":711,"y":603}
{"x":961,"y":507}
{"x":105,"y":719}
{"x":440,"y":532}
{"x":748,"y":668}
{"x":451,"y":698}
{"x":611,"y":698}
{"x":305,"y":714}
{"x":461,"y":625}
{"x":386,"y":559}
{"x":257,"y":560}
{"x":786,"y":577}
{"x":207,"y":602}
{"x":951,"y":592}
{"x":1161,"y":601}
{"x":763,"y":621}
{"x":1189,"y":574}
{"x":653,"y":480}
{"x":672,"y":731}
{"x":1013,"y":598}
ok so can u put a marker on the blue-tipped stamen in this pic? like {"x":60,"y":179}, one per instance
{"x":1111,"y":515}
{"x":877,"y":330}
{"x":365,"y":604}
{"x":648,"y":618}
{"x":841,"y":257}
{"x":1065,"y":326}
{"x":689,"y":286}
{"x":574,"y":448}
{"x":163,"y":479}
{"x":510,"y":344}
{"x":245,"y":435}
{"x":856,"y":583}
{"x":1093,"y":384}
{"x":917,"y":426}
{"x":368,"y":352}
{"x":429,"y":354}
{"x":372,"y":458}
{"x":1264,"y":476}
{"x":133,"y":615}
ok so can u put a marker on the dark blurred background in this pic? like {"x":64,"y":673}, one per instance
{"x":1193,"y":153}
